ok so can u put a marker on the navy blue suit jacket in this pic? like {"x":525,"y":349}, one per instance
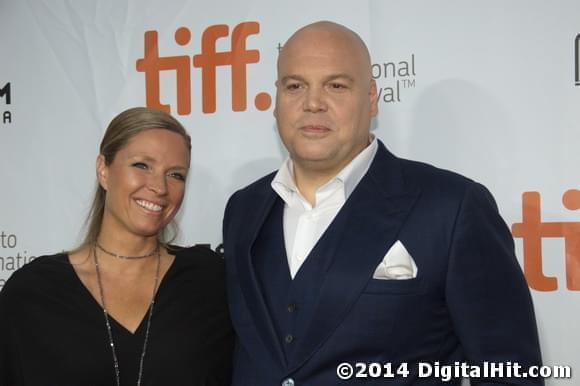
{"x":469,"y":302}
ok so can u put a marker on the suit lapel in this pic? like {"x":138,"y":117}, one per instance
{"x":363,"y":231}
{"x":250,"y":285}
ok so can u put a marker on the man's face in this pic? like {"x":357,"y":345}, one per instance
{"x":325,"y":99}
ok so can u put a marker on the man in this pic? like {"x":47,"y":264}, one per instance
{"x":350,"y":254}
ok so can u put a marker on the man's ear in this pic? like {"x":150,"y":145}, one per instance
{"x":275,"y":111}
{"x":373,"y":98}
{"x":102,"y":171}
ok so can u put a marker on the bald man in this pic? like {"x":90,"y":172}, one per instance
{"x":348,"y":254}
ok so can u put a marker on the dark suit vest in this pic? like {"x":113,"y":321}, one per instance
{"x":291,"y":303}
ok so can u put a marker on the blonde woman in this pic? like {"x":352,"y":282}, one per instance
{"x":124,"y":308}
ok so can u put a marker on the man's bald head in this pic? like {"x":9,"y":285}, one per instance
{"x":323,"y":33}
{"x":325,"y":98}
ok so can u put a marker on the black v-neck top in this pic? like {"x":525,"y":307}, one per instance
{"x":53,"y":333}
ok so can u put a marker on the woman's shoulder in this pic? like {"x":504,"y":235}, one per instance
{"x":41,"y":269}
{"x":199,"y":254}
{"x":199,"y":261}
{"x":42,"y":264}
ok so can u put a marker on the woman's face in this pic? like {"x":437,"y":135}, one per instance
{"x":145,"y":183}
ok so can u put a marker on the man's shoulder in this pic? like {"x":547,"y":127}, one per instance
{"x":257,"y":188}
{"x":414,"y":174}
{"x":427,"y":175}
{"x":243,"y":203}
{"x":441,"y":188}
{"x":435,"y":183}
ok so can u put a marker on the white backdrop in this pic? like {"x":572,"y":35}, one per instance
{"x":484,"y":88}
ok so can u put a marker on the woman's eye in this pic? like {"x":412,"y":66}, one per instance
{"x":178,"y":176}
{"x":140,"y":165}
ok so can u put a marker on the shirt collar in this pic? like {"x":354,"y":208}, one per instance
{"x":283,"y":182}
{"x":358,"y":167}
{"x":284,"y":185}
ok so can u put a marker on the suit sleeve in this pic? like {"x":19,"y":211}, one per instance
{"x":226,"y":218}
{"x":226,"y":222}
{"x":487,"y":295}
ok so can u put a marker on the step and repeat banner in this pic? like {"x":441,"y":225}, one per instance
{"x":490,"y":89}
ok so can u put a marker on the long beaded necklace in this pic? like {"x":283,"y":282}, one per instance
{"x":108,"y":323}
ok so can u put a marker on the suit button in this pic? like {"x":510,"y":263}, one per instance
{"x":291,"y":307}
{"x":288,"y":382}
{"x":289,"y":338}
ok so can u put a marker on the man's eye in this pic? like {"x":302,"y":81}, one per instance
{"x":337,"y":86}
{"x":293,"y":86}
{"x":140,"y":165}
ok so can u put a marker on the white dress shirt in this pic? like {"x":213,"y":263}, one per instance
{"x":303,"y":223}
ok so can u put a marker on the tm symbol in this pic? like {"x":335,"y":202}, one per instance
{"x":408,"y":83}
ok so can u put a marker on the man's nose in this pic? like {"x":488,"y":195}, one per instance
{"x":315,"y":100}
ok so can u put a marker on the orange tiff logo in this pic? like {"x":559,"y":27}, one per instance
{"x":238,"y":57}
{"x":532,"y":230}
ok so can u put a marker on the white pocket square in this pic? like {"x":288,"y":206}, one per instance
{"x":396,"y":265}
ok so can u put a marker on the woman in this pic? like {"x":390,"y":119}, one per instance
{"x":124,"y":308}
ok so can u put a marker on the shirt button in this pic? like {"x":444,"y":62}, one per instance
{"x":291,"y":307}
{"x":289,"y":338}
{"x":288,"y":382}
